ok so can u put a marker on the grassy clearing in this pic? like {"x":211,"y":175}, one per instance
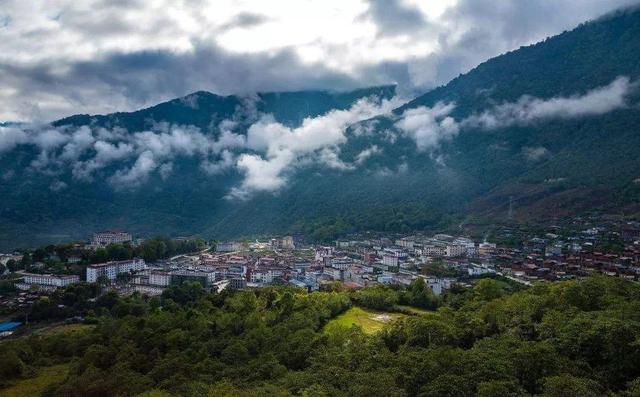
{"x":370,"y":321}
{"x":35,"y":386}
{"x":412,"y":310}
{"x":69,"y":329}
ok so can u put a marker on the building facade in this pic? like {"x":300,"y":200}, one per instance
{"x":102,"y":239}
{"x":46,"y":282}
{"x":112,"y":269}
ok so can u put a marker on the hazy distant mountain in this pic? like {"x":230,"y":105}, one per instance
{"x":553,"y":129}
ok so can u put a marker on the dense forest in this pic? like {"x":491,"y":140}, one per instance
{"x":576,"y":338}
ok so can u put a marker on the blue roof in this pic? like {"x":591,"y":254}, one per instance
{"x":9,"y":325}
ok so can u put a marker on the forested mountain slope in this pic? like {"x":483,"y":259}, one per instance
{"x":552,"y":128}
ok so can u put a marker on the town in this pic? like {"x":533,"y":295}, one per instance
{"x":442,"y":260}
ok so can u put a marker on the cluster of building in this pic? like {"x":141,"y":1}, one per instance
{"x":608,"y":249}
{"x":554,"y":253}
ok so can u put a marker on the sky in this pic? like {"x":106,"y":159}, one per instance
{"x":63,"y":57}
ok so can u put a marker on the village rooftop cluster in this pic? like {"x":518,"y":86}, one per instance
{"x":442,"y":260}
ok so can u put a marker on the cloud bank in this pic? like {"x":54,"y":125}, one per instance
{"x":61,"y":57}
{"x":429,"y":126}
{"x":267,"y":152}
{"x":264,"y":155}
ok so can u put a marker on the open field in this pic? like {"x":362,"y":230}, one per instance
{"x":413,"y":310}
{"x":370,"y":321}
{"x":68,"y":329}
{"x":33,"y":387}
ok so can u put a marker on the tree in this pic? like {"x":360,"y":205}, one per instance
{"x":499,"y":388}
{"x":570,"y":386}
{"x":487,"y":289}
{"x":379,"y":297}
{"x":26,"y":261}
{"x":12,"y":265}
{"x":421,"y":295}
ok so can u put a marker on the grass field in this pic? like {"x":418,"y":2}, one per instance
{"x":68,"y":329}
{"x":370,"y":321}
{"x":33,"y":387}
{"x":413,"y":310}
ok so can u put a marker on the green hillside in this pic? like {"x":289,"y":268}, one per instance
{"x":548,"y":168}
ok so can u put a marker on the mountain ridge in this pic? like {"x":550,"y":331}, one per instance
{"x":377,"y":176}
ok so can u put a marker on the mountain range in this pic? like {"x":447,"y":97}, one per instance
{"x":545,"y":132}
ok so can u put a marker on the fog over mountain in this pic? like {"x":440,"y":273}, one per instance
{"x":529,"y":125}
{"x":60,"y":57}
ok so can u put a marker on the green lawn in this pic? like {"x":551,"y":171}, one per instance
{"x":413,"y":310}
{"x":370,"y":321}
{"x":33,"y":387}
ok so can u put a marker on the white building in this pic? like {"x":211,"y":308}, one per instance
{"x":341,"y":263}
{"x":333,"y":273}
{"x":385,"y":279}
{"x":455,"y":250}
{"x":323,"y":252}
{"x":288,"y":243}
{"x":405,"y":243}
{"x":486,"y":248}
{"x":159,"y":279}
{"x":102,"y":239}
{"x":262,"y":276}
{"x":150,"y":290}
{"x":46,"y":282}
{"x":437,"y":250}
{"x":112,"y":269}
{"x":229,"y":246}
{"x":439,"y":285}
{"x":390,"y":260}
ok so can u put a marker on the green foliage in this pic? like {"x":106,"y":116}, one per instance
{"x":379,"y":298}
{"x":592,"y":161}
{"x":576,"y":338}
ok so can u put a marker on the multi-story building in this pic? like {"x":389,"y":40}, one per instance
{"x":148,"y":289}
{"x":178,"y":277}
{"x":45,"y":282}
{"x":229,"y":246}
{"x":486,"y":248}
{"x":112,"y":269}
{"x":159,"y":279}
{"x":455,"y":250}
{"x":333,"y":273}
{"x":323,"y":252}
{"x":437,"y":250}
{"x":341,"y":263}
{"x":288,"y":243}
{"x":102,"y":239}
{"x":237,"y":283}
{"x":390,"y":260}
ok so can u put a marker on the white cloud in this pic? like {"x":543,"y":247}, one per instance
{"x":284,"y":146}
{"x":106,"y":153}
{"x":529,"y":109}
{"x":535,"y":153}
{"x":330,"y":157}
{"x":10,"y":137}
{"x":368,"y":152}
{"x":45,"y":45}
{"x":261,"y":174}
{"x":57,"y":186}
{"x":429,"y":126}
{"x":226,"y":161}
{"x":137,"y":174}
